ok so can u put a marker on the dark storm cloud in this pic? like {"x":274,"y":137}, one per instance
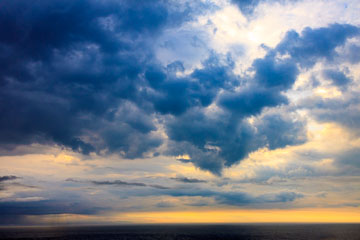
{"x":272,"y":76}
{"x":251,"y":101}
{"x":188,"y":180}
{"x":174,"y":95}
{"x":275,"y":73}
{"x":67,"y":66}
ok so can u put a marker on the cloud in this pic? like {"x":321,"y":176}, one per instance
{"x":246,"y":6}
{"x":188,"y":180}
{"x":198,"y":204}
{"x":164,"y":205}
{"x":175,"y":95}
{"x":314,"y":44}
{"x":93,"y":84}
{"x":236,"y":198}
{"x":349,"y":162}
{"x":251,"y":101}
{"x":281,"y":130}
{"x":183,"y":160}
{"x":44,"y":207}
{"x":272,"y":77}
{"x":239,"y":199}
{"x":353,"y":53}
{"x":119,"y":183}
{"x":4,"y":182}
{"x":338,"y":78}
{"x":221,"y":139}
{"x":29,"y":199}
{"x":71,"y":66}
{"x":101,"y":82}
{"x":275,"y":73}
{"x":8,"y":178}
{"x":343,"y":111}
{"x":218,"y":141}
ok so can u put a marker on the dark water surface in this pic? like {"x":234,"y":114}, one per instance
{"x":182,"y":232}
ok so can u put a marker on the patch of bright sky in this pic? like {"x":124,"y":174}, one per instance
{"x":228,"y":30}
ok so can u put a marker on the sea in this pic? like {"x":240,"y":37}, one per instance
{"x":188,"y":232}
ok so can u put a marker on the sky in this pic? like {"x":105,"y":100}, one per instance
{"x":179,"y":111}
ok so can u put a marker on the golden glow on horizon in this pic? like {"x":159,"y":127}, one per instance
{"x":330,"y":215}
{"x":249,"y":216}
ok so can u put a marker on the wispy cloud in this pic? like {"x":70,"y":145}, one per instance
{"x":118,"y":183}
{"x":7,"y":178}
{"x":188,"y":180}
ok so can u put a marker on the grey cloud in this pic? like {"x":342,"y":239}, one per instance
{"x":188,"y":180}
{"x":353,"y":53}
{"x":84,"y":75}
{"x":183,"y":160}
{"x":338,"y":78}
{"x":282,"y":130}
{"x":6,"y":181}
{"x":117,"y":183}
{"x":218,"y":141}
{"x":349,"y":161}
{"x":246,"y":6}
{"x":86,"y":59}
{"x":340,"y":110}
{"x":199,"y":204}
{"x":237,"y":198}
{"x":8,"y":178}
{"x":45,"y":207}
{"x":164,"y":205}
{"x":158,"y":186}
{"x":318,"y":43}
